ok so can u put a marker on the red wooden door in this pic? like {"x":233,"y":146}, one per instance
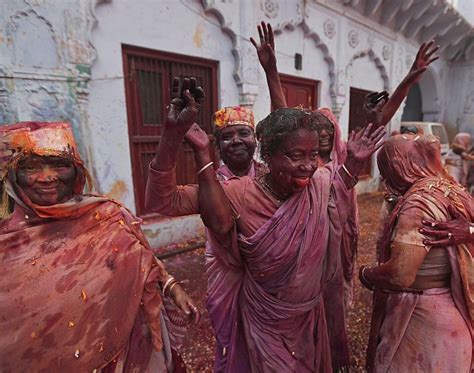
{"x":148,"y":76}
{"x":299,"y":91}
{"x":358,"y":120}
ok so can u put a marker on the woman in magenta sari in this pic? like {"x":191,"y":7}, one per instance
{"x":424,"y":303}
{"x":264,"y":298}
{"x":379,"y":110}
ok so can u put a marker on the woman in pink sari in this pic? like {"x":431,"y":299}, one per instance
{"x":458,"y":157}
{"x":424,"y":303}
{"x":79,"y":285}
{"x":275,"y":231}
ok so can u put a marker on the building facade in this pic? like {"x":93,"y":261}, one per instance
{"x":105,"y":66}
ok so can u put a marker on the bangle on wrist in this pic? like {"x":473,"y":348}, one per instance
{"x":169,"y":282}
{"x":354,"y":179}
{"x":364,"y":279}
{"x":203,"y":168}
{"x":171,"y":287}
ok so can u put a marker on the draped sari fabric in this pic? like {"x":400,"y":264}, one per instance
{"x":338,"y":294}
{"x":455,"y":165}
{"x":432,"y":331}
{"x":78,"y":291}
{"x":265,"y":289}
{"x":224,"y":173}
{"x":72,"y":289}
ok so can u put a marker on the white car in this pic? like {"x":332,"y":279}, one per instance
{"x":432,"y":128}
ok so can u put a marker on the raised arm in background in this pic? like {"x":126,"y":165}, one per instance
{"x":213,"y":204}
{"x":267,"y":57}
{"x":423,"y":59}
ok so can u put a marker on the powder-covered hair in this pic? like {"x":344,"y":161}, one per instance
{"x":278,"y":124}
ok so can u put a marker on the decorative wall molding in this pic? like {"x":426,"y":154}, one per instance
{"x":353,"y":38}
{"x":269,"y":8}
{"x":378,"y":63}
{"x":329,"y":27}
{"x":319,"y":43}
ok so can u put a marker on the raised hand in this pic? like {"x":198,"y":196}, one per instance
{"x":266,"y":49}
{"x":453,"y":232}
{"x":423,"y":59}
{"x":197,"y":138}
{"x":373,"y":107}
{"x":363,"y":144}
{"x":185,"y":104}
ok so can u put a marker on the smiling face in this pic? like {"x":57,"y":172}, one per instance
{"x":294,"y":162}
{"x":237,"y":146}
{"x":326,"y":138}
{"x":46,"y":180}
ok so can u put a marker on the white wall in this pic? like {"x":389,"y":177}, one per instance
{"x":161,"y":25}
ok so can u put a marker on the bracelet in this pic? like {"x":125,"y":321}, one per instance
{"x":364,"y":280}
{"x":168,"y":282}
{"x":204,"y":168}
{"x":349,"y":174}
{"x":171,"y":287}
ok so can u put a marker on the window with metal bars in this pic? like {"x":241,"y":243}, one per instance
{"x":148,"y":76}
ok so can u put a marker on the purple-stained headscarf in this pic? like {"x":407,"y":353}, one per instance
{"x":339,"y":150}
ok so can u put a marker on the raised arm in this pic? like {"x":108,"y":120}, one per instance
{"x":360,"y":148}
{"x":423,"y":59}
{"x":162,"y":193}
{"x":267,"y":57}
{"x":214,"y":206}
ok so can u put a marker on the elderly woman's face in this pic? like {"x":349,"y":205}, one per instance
{"x":46,"y":180}
{"x":296,"y":160}
{"x":326,"y":137}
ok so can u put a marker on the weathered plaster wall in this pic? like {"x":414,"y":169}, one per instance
{"x":63,"y":61}
{"x":45,"y":59}
{"x":459,"y":94}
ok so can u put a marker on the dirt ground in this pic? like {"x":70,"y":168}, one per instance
{"x":198,"y":349}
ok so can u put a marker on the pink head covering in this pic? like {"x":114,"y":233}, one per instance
{"x":462,"y":140}
{"x":339,"y":151}
{"x":405,"y":159}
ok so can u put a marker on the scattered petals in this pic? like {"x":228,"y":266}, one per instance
{"x":83,"y":295}
{"x":77,"y":353}
{"x":71,"y":324}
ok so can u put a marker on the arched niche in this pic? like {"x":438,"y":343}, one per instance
{"x":34,"y":42}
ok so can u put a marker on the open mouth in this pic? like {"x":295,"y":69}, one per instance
{"x":302,"y":181}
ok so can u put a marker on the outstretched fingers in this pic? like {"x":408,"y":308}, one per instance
{"x":366,"y":131}
{"x":434,"y":232}
{"x":254,"y":43}
{"x":175,"y":87}
{"x":441,"y":243}
{"x":434,"y":224}
{"x":271,"y":38}
{"x":260,"y":34}
{"x":265,"y":31}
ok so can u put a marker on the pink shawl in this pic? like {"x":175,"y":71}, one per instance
{"x":338,"y":294}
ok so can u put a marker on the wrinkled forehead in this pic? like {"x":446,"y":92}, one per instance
{"x":236,"y":128}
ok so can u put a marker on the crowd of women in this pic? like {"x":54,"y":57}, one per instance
{"x":81,"y":290}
